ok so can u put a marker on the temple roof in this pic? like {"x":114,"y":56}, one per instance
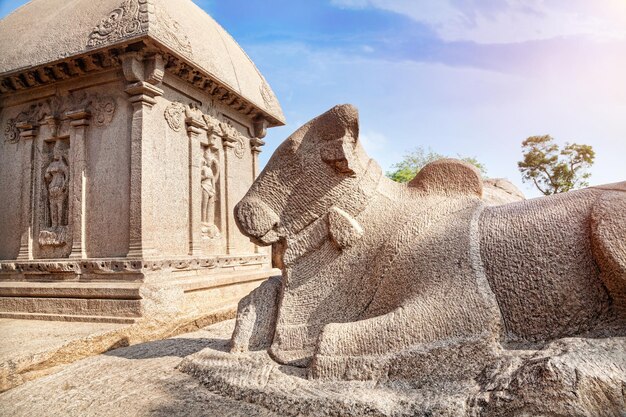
{"x":44,"y":31}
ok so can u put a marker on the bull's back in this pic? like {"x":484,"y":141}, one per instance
{"x":537,"y":256}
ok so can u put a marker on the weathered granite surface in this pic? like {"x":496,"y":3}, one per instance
{"x":425,"y":285}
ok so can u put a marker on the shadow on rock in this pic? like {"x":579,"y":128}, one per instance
{"x":178,"y":347}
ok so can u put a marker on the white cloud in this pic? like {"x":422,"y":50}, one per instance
{"x":505,"y":21}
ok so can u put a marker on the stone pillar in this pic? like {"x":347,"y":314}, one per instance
{"x":144,"y":74}
{"x":228,"y":145}
{"x":196,"y":129}
{"x":28,"y":132}
{"x":142,"y":98}
{"x":260,"y":130}
{"x":79,"y":121}
{"x":255,"y":146}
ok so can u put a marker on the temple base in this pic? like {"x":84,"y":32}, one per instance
{"x":122,"y":290}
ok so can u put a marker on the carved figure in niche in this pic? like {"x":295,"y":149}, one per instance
{"x":209,"y":174}
{"x":57,"y":181}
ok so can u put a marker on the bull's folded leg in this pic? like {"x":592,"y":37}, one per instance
{"x":256,"y":318}
{"x":398,"y":345}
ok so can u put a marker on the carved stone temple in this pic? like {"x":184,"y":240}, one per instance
{"x":130,"y":129}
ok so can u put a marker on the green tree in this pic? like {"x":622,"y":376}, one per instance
{"x":552,"y":169}
{"x":412,"y":162}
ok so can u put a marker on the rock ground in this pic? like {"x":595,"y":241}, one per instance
{"x":139,"y":380}
{"x":46,"y":346}
{"x":35,"y":336}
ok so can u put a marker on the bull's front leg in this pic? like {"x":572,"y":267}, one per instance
{"x":256,"y":318}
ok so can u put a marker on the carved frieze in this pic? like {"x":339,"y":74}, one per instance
{"x":112,"y":266}
{"x":233,"y":138}
{"x":240,"y":147}
{"x":176,"y":112}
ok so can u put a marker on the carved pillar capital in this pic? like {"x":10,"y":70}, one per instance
{"x":195,"y":126}
{"x":256,"y":144}
{"x":27,"y":130}
{"x":228,"y":141}
{"x":143,"y":93}
{"x":79,"y":117}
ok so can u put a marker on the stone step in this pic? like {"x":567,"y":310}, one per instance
{"x":68,"y":318}
{"x":89,"y":290}
{"x":71,"y":306}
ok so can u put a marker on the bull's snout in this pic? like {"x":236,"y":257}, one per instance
{"x":258,"y":221}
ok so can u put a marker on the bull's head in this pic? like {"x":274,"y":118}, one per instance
{"x":314,"y":169}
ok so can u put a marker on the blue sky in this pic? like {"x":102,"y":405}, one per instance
{"x":468,"y":77}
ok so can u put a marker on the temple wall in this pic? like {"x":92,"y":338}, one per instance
{"x":43,"y":117}
{"x":168,"y":190}
{"x":108,"y":191}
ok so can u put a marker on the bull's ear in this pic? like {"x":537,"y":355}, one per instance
{"x":339,"y":154}
{"x":450,"y":177}
{"x":339,"y":130}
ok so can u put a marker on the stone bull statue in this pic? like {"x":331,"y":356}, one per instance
{"x":386,"y":279}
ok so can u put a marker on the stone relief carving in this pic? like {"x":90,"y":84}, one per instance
{"x":133,"y":18}
{"x":174,"y":113}
{"x":230,"y":134}
{"x":11,"y":132}
{"x":240,"y":147}
{"x":171,"y":33}
{"x":209,"y":174}
{"x":33,"y":114}
{"x":267,"y":96}
{"x":56,"y":191}
{"x":102,"y":109}
{"x":125,"y":21}
{"x":424,"y":285}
